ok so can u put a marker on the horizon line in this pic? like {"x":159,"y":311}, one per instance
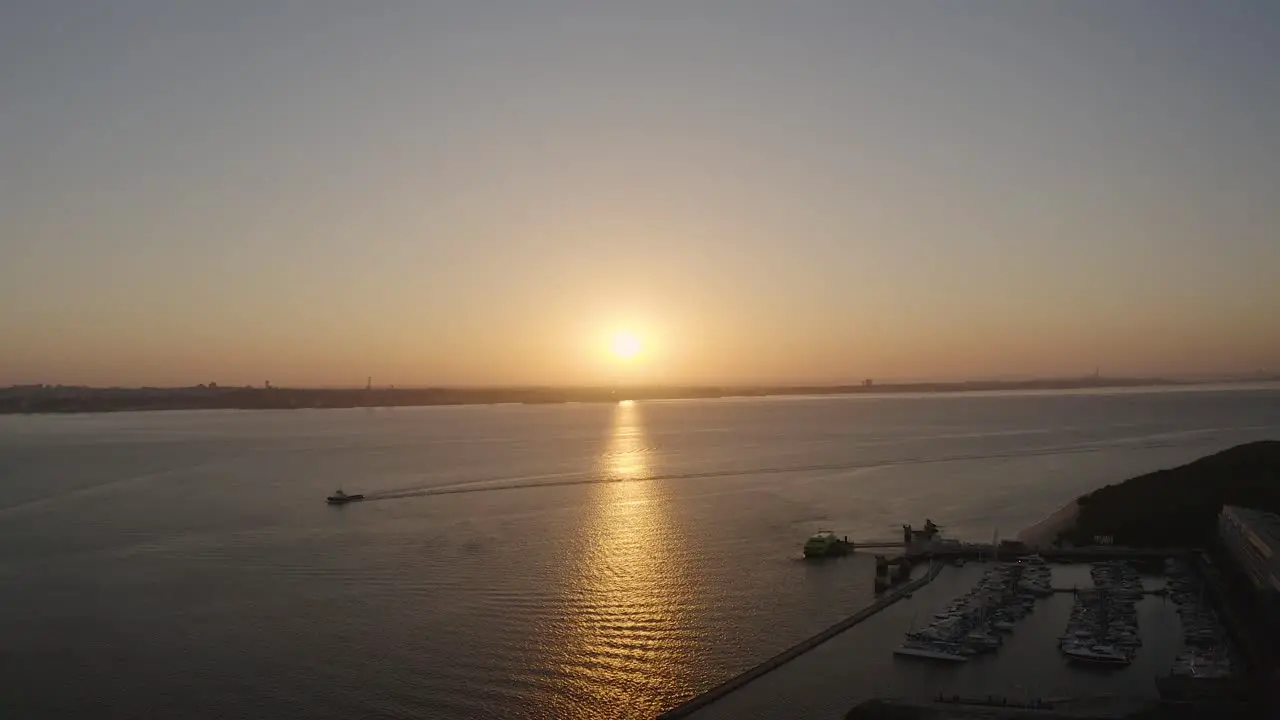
{"x":1178,"y":378}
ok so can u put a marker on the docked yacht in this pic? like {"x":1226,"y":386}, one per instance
{"x":1098,"y":654}
{"x":1197,"y":666}
{"x":983,"y":641}
{"x":930,"y":651}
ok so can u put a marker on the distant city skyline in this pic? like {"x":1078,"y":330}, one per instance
{"x":493,"y":194}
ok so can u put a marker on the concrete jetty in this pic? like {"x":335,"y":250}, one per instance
{"x":698,"y":702}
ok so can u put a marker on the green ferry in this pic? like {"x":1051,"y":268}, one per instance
{"x":825,"y":544}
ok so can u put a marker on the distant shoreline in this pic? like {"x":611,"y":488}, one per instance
{"x":59,"y":399}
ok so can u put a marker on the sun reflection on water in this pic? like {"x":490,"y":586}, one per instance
{"x":624,"y":649}
{"x":626,"y":457}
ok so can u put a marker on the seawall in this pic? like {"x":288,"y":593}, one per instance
{"x":700,"y":701}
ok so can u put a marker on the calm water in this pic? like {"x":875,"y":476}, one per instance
{"x":184,"y":564}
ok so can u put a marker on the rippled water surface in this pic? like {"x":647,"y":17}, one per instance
{"x":551,"y":561}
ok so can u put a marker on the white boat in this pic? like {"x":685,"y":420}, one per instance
{"x":1201,"y":666}
{"x":978,"y":639}
{"x":1098,"y":654}
{"x":341,"y":498}
{"x":923,"y":650}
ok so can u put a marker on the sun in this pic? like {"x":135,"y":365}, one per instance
{"x":625,"y":344}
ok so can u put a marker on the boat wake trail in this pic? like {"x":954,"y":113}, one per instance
{"x":525,"y":484}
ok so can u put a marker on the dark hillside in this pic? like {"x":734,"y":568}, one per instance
{"x":1179,"y":506}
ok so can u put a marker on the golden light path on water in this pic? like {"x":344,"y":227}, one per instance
{"x":624,"y":648}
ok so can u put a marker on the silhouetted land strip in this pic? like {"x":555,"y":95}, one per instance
{"x":1179,"y":507}
{"x":60,"y":399}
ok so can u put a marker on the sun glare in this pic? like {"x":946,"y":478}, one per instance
{"x":625,"y":344}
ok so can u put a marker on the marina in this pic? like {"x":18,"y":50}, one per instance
{"x":1209,"y":652}
{"x":993,"y":630}
{"x":1103,"y":627}
{"x":976,"y":622}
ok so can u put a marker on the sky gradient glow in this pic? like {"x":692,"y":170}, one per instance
{"x":432,"y":193}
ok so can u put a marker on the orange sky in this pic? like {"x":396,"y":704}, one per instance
{"x":458,"y":196}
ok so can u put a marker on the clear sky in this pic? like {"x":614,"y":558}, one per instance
{"x":481,"y":192}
